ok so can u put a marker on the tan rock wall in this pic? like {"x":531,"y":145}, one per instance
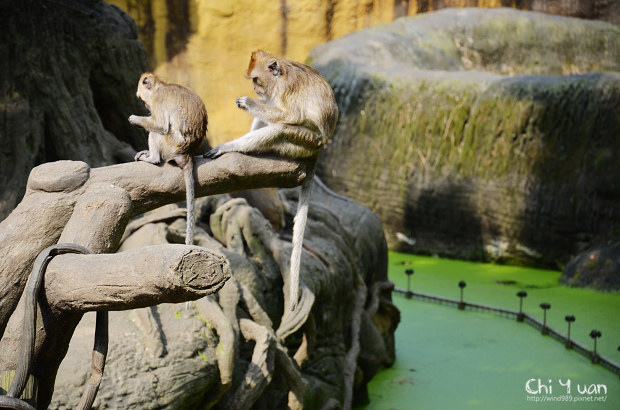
{"x":206,"y":44}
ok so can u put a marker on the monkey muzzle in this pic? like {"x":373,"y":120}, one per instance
{"x":256,"y":85}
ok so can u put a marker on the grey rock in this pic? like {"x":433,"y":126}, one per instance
{"x":597,"y":268}
{"x":484,"y":134}
{"x":68,"y":74}
{"x":168,"y":356}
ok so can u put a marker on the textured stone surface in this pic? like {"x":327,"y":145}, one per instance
{"x":68,"y":73}
{"x":597,"y":268}
{"x":167,"y":356}
{"x":445,"y":133}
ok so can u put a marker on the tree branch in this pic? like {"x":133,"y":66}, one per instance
{"x":91,"y":207}
{"x":151,"y":186}
{"x":54,"y":188}
{"x":137,"y":278}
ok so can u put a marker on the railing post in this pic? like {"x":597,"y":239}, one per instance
{"x":462,"y":285}
{"x":408,"y":272}
{"x":521,"y":294}
{"x":544,"y":307}
{"x":570,"y":319}
{"x":595,"y":334}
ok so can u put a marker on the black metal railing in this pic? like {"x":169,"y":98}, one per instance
{"x":519,"y":316}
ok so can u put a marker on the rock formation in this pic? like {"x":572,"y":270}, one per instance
{"x":597,"y":268}
{"x":205,"y":45}
{"x":68,"y":86}
{"x":69,"y":70}
{"x":480,"y":134}
{"x":166,"y":356}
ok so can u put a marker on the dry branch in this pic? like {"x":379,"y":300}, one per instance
{"x":54,"y":188}
{"x":91,"y":207}
{"x":133,"y":279}
{"x":151,"y":186}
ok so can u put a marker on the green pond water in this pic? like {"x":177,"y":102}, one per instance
{"x":452,"y":359}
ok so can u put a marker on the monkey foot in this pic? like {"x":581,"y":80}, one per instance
{"x":146,"y":157}
{"x":140,"y":156}
{"x":214,"y":153}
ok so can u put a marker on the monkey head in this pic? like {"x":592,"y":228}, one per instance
{"x":265,"y":70}
{"x":146,"y":86}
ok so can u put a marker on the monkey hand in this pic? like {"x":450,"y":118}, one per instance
{"x":243,"y":102}
{"x":133,"y":119}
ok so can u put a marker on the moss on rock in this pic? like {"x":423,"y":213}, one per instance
{"x":471,"y":162}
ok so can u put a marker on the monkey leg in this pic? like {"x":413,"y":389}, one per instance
{"x":153,"y":155}
{"x":178,"y":138}
{"x":142,"y":156}
{"x":257,"y":123}
{"x":287,"y":140}
{"x":254,"y":141}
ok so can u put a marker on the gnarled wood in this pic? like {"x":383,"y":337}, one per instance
{"x":91,"y":207}
{"x":49,"y":202}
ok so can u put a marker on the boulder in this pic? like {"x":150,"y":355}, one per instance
{"x":68,"y":77}
{"x":597,"y":268}
{"x":480,"y":134}
{"x":174,"y":357}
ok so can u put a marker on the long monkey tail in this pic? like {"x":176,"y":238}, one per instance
{"x":188,"y":173}
{"x":299,"y":225}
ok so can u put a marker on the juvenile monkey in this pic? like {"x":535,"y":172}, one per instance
{"x":294,"y":117}
{"x":177,"y":128}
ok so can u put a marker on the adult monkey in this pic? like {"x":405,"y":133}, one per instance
{"x":177,"y":128}
{"x":294,"y":117}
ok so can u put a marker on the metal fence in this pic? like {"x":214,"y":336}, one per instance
{"x":521,"y":317}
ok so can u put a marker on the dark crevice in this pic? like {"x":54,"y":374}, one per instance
{"x":329,"y":17}
{"x":48,"y":142}
{"x":179,"y":27}
{"x":284,"y":28}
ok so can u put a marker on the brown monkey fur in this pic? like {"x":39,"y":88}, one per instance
{"x":177,"y":129}
{"x":294,"y":117}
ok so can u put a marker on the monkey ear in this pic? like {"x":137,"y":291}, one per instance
{"x":251,"y":65}
{"x":148,"y":83}
{"x":274,"y":68}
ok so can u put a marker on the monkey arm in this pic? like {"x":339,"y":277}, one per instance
{"x":265,"y":112}
{"x":151,"y":124}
